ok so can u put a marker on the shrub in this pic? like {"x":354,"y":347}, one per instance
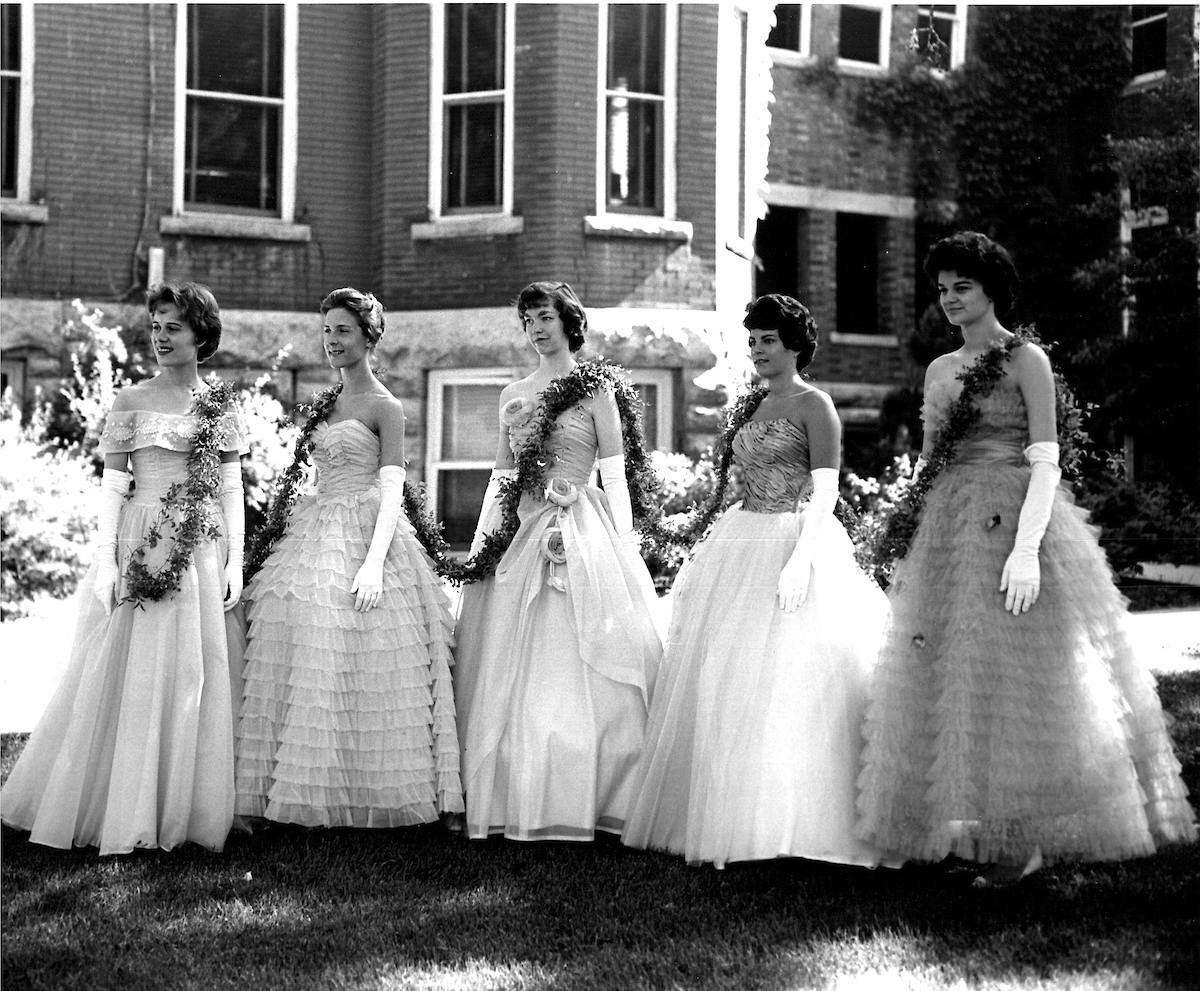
{"x":1142,"y":522}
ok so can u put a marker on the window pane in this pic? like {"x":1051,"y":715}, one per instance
{"x":474,"y":147}
{"x":859,"y":34}
{"x":635,"y":47}
{"x":634,"y":135}
{"x":232,"y":154}
{"x":858,"y":241}
{"x":648,"y":392}
{"x":474,"y":47}
{"x":10,"y":37}
{"x":933,"y":21}
{"x":1149,"y":41}
{"x":236,"y":48}
{"x":10,"y":102}
{"x":470,"y":422}
{"x":786,"y":32}
{"x":460,"y":495}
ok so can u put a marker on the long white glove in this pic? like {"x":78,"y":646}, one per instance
{"x":919,"y":467}
{"x":113,"y":486}
{"x":1022,"y":577}
{"x":796,"y":574}
{"x":233,"y":509}
{"x":490,"y":496}
{"x":368,"y":583}
{"x":612,"y":474}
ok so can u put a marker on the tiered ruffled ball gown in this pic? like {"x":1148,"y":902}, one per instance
{"x":990,"y":734}
{"x":553,"y":682}
{"x":348,"y":717}
{"x":754,"y":740}
{"x":135,"y":748}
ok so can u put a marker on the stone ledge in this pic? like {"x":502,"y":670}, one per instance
{"x":24,"y":213}
{"x":234,"y":226}
{"x":637,"y":226}
{"x":480,"y":226}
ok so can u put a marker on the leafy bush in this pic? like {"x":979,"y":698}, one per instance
{"x":1142,"y":522}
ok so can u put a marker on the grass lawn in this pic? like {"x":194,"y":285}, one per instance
{"x":419,"y":908}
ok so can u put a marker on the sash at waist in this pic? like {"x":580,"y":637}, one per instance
{"x":990,"y":451}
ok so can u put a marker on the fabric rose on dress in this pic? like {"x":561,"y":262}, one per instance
{"x":516,"y":411}
{"x":554,"y":550}
{"x":561,"y":492}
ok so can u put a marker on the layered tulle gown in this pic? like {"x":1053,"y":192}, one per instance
{"x":135,"y":748}
{"x":348,"y":717}
{"x":754,"y":740}
{"x":991,"y":734}
{"x":556,"y":661}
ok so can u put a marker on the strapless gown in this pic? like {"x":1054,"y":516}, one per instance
{"x":553,"y":683}
{"x":348,"y":717}
{"x":135,"y":748}
{"x":754,"y":739}
{"x":990,"y":734}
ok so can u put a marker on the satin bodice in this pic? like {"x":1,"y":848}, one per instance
{"x":1001,"y":433}
{"x":773,"y":455}
{"x":346,"y":455}
{"x":155,"y":470}
{"x":572,"y":444}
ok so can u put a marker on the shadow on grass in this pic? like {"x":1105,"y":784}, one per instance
{"x":419,"y":908}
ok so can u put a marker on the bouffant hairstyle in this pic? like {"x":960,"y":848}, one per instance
{"x":562,"y":297}
{"x":197,"y":306}
{"x":365,"y":307}
{"x":790,"y":319}
{"x":977,"y":257}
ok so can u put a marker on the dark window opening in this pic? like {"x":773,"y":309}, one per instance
{"x":778,"y":252}
{"x":858,"y":34}
{"x":10,"y":95}
{"x":859,"y":245}
{"x":1149,"y":39}
{"x":786,"y":32}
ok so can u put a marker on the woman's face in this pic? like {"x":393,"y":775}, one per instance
{"x":345,"y":342}
{"x":543,"y":326}
{"x":771,"y":359}
{"x":963,"y":300}
{"x":172,"y":337}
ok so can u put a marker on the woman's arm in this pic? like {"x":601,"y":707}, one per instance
{"x":611,"y":451}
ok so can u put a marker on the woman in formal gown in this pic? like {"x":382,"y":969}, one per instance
{"x":753,"y":744}
{"x":135,"y":748}
{"x":348,"y":716}
{"x":557,"y":653}
{"x":1010,"y":722}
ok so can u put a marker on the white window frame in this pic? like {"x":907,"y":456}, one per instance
{"x":670,"y":122}
{"x":796,"y":56}
{"x":24,"y":107}
{"x":958,"y":36}
{"x":1134,"y":22}
{"x":439,"y":379}
{"x":438,"y":101}
{"x":664,"y":420}
{"x":288,"y":117}
{"x":885,"y":40}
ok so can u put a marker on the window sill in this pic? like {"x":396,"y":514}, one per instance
{"x":482,"y":225}
{"x":867,"y":70}
{"x":24,"y":213}
{"x":740,"y":247}
{"x":790,"y":57}
{"x":1147,"y":80}
{"x":637,"y":226}
{"x":869,"y":340}
{"x":232,"y":225}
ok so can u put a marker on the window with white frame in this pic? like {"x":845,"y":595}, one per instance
{"x":861,"y":255}
{"x":863,"y":35}
{"x":1149,"y":28}
{"x":793,"y":28}
{"x":940,"y":35}
{"x":236,"y":109}
{"x":16,"y":97}
{"x":656,"y":389}
{"x":471,"y":116}
{"x":637,"y":108}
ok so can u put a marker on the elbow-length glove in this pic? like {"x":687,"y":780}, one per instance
{"x":233,"y":509}
{"x":368,"y":583}
{"x":1022,"y":576}
{"x":796,"y":574}
{"x":490,"y":496}
{"x":612,"y":474}
{"x":113,"y":486}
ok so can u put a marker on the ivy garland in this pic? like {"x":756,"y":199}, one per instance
{"x":187,"y":506}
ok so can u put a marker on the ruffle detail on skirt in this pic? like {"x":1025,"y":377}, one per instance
{"x":348,"y":718}
{"x":990,"y":734}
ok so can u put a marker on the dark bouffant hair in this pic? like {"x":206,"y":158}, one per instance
{"x":790,"y":318}
{"x":563,"y":299}
{"x":365,"y":307}
{"x":977,"y":257}
{"x":197,"y":306}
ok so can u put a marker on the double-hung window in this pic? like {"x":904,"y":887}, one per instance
{"x":1149,"y":27}
{"x":864,"y":31}
{"x":16,"y":95}
{"x":941,"y":33}
{"x":235,"y":113}
{"x":637,"y":109}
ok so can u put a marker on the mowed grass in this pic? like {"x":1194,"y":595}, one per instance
{"x":420,"y":908}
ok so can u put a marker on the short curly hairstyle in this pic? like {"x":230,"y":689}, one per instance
{"x":977,"y":256}
{"x":790,"y":318}
{"x":365,"y":307}
{"x":562,"y":297}
{"x":197,"y":306}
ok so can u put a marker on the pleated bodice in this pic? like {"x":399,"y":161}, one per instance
{"x":346,"y":455}
{"x":1001,"y":433}
{"x":156,"y":469}
{"x":773,"y":455}
{"x":572,"y":444}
